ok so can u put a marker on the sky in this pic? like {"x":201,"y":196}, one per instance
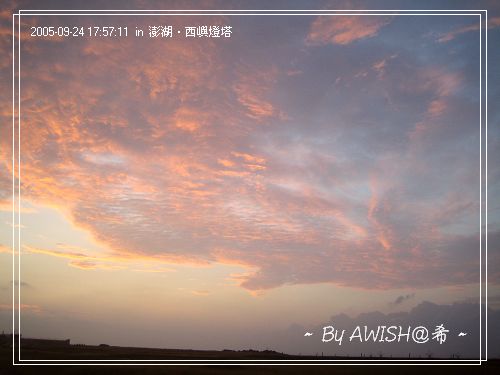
{"x":216,"y":193}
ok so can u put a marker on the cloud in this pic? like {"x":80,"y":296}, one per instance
{"x":493,"y":22}
{"x":403,"y":298}
{"x":25,"y":308}
{"x":57,"y":253}
{"x":5,"y":249}
{"x":16,"y":284}
{"x":89,"y":265}
{"x":366,"y":181}
{"x":115,"y":261}
{"x":338,"y":266}
{"x":344,"y":29}
{"x":22,"y":284}
{"x":380,"y":66}
{"x":80,"y":260}
{"x":7,"y":207}
{"x":251,"y":89}
{"x":458,"y":317}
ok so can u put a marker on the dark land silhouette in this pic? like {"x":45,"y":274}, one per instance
{"x":44,"y":350}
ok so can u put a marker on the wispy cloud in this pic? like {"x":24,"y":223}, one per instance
{"x":492,"y":23}
{"x":23,"y":284}
{"x":339,"y":29}
{"x":81,"y":260}
{"x":30,"y":308}
{"x":90,"y":265}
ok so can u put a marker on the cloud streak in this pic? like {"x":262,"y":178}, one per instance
{"x":493,"y":22}
{"x":344,"y":29}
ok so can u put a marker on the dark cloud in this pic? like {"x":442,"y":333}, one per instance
{"x":15,"y":283}
{"x":400,"y":299}
{"x":458,"y":317}
{"x":22,"y":284}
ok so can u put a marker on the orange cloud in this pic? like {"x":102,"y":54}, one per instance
{"x":89,"y":265}
{"x":339,"y":29}
{"x":7,"y":207}
{"x":80,"y":260}
{"x":188,"y":119}
{"x":249,"y":158}
{"x":436,"y":107}
{"x":117,"y":260}
{"x":225,"y":162}
{"x":381,"y":235}
{"x":251,"y":90}
{"x":56,"y":253}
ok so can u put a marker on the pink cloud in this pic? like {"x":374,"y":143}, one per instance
{"x":251,"y":89}
{"x":493,"y":22}
{"x":341,"y":29}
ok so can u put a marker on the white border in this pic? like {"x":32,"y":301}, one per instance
{"x":251,"y":14}
{"x":246,"y":362}
{"x":486,"y":182}
{"x":209,"y":11}
{"x":480,"y":189}
{"x":13,"y":183}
